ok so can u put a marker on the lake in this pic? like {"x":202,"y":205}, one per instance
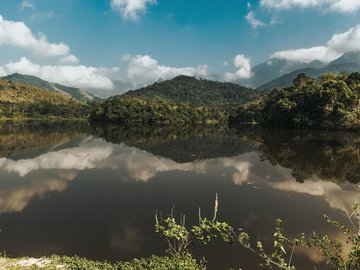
{"x":71,"y":188}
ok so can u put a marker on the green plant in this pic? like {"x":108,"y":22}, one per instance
{"x":179,"y":238}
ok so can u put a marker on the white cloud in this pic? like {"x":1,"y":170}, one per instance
{"x":26,"y":4}
{"x":334,"y":48}
{"x":244,"y":69}
{"x":76,"y":76}
{"x":255,"y":23}
{"x":17,"y":34}
{"x":69,"y":60}
{"x":130,"y":9}
{"x":143,"y":68}
{"x":329,"y":5}
{"x":303,"y":55}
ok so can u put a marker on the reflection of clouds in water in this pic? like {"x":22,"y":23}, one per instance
{"x":78,"y":158}
{"x":336,"y":196}
{"x":143,"y":166}
{"x":66,"y":163}
{"x":16,"y":198}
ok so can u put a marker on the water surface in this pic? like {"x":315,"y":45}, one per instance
{"x":74,"y":189}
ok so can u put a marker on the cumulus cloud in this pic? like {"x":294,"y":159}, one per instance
{"x":17,"y":34}
{"x":329,"y":5}
{"x":338,"y":44}
{"x":76,"y":76}
{"x":244,"y":69}
{"x":143,"y":68}
{"x":130,"y":9}
{"x":255,"y":23}
{"x":69,"y":60}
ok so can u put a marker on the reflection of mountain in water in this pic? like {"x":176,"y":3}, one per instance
{"x":19,"y":139}
{"x":330,"y":156}
{"x":179,"y":143}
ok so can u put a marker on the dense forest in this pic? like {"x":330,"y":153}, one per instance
{"x":330,"y":102}
{"x":122,"y":109}
{"x":195,"y":91}
{"x":24,"y":101}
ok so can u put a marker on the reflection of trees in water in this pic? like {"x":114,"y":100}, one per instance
{"x":23,"y":136}
{"x":330,"y":156}
{"x":182,"y":144}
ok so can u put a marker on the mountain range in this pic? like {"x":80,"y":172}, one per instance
{"x":278,"y":73}
{"x":274,"y":73}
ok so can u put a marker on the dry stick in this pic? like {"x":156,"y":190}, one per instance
{"x":291,"y":255}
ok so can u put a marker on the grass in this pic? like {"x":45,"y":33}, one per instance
{"x":185,"y":262}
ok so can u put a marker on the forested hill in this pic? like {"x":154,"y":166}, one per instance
{"x":76,"y":93}
{"x":26,"y":101}
{"x":330,"y":102}
{"x":185,"y":89}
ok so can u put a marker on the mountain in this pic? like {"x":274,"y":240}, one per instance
{"x":287,"y":79}
{"x":26,"y":101}
{"x":349,"y":63}
{"x":76,"y":93}
{"x":349,"y":57}
{"x":185,"y":89}
{"x":275,"y":68}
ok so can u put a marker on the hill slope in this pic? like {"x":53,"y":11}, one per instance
{"x":76,"y":93}
{"x":185,"y":89}
{"x":23,"y":100}
{"x":330,"y":102}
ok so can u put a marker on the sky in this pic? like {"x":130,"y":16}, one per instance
{"x":89,"y":44}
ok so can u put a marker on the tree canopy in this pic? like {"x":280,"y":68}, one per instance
{"x":330,"y":102}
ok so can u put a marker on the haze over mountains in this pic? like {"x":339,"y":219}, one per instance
{"x":276,"y":73}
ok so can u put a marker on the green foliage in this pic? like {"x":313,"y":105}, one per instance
{"x":24,"y":101}
{"x":280,"y":256}
{"x":33,"y":81}
{"x":331,"y":102}
{"x":186,"y":262}
{"x":185,"y":89}
{"x":135,"y":110}
{"x":179,"y":238}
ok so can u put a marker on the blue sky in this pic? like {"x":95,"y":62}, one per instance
{"x":140,"y":40}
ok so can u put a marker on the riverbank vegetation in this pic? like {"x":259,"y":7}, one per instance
{"x":186,"y":262}
{"x":330,"y":102}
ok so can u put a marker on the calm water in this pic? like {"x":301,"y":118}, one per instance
{"x":68,"y":188}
